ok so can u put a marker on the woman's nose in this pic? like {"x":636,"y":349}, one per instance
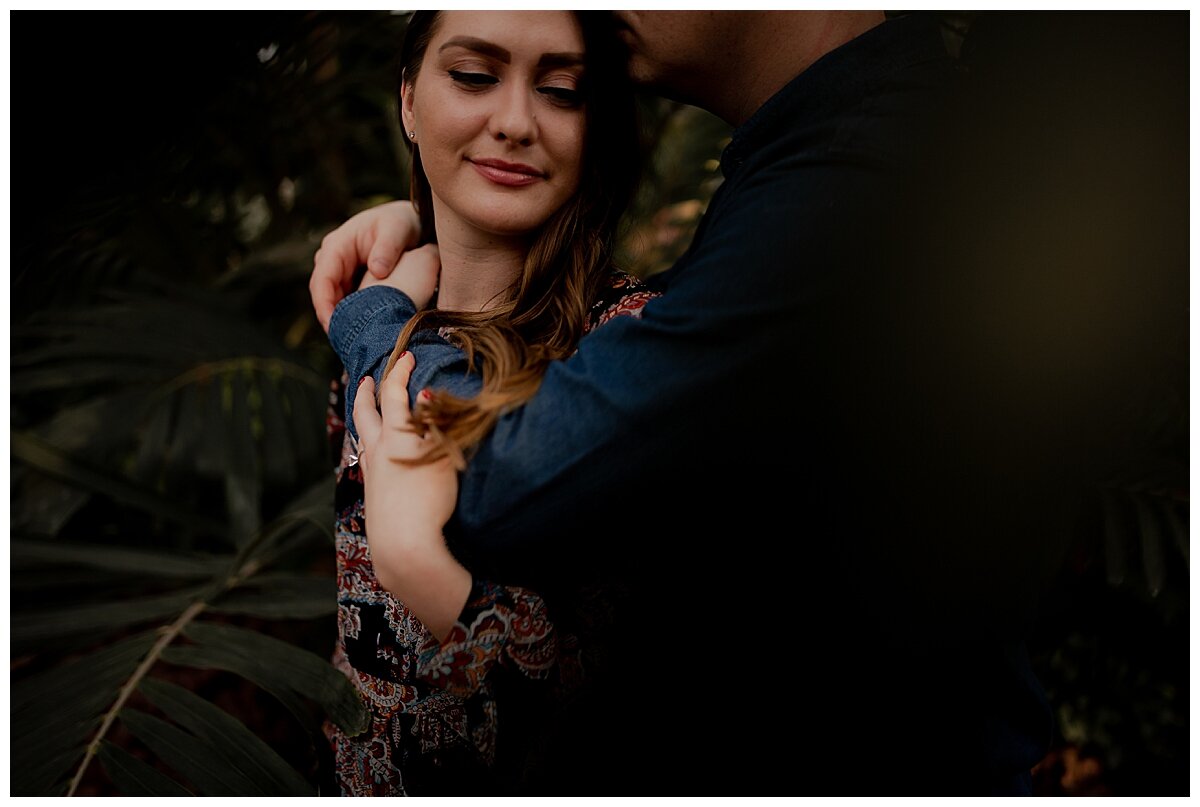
{"x":514,"y":118}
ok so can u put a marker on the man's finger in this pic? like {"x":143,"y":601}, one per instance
{"x":332,"y":275}
{"x":385,"y":253}
{"x":394,"y":228}
{"x":325,"y":296}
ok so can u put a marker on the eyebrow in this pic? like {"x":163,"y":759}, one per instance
{"x":503,"y":55}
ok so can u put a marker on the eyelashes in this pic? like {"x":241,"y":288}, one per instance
{"x":563,"y":95}
{"x":477,"y":82}
{"x":473,"y":79}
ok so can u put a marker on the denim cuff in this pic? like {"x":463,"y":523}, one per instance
{"x":356,"y":310}
{"x":363,"y":332}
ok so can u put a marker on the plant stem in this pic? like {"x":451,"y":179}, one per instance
{"x":169,"y":634}
{"x":246,"y":565}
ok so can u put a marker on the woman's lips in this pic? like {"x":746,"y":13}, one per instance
{"x":506,"y":173}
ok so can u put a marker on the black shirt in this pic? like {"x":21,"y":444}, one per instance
{"x":794,"y":469}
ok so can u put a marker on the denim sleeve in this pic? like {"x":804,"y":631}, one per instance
{"x":363,"y":332}
{"x":737,"y":314}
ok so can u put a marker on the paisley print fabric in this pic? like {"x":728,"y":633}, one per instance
{"x":435,"y":711}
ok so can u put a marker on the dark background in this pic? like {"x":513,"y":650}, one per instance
{"x":172,"y":174}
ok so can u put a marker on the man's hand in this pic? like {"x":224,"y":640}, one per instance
{"x":376,"y":237}
{"x":416,"y":275}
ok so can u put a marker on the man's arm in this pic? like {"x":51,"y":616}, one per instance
{"x":652,"y":403}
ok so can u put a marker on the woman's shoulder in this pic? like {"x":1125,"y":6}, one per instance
{"x":622,"y":294}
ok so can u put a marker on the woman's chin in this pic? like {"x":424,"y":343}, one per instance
{"x":504,"y":214}
{"x":510,"y":224}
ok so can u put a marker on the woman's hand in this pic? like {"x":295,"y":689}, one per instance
{"x":416,"y":275}
{"x":376,"y":236}
{"x":406,"y":506}
{"x":427,"y":492}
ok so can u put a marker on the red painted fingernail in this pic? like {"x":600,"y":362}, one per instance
{"x":402,"y":355}
{"x":426,"y":395}
{"x":365,"y":378}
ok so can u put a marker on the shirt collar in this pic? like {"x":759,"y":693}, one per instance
{"x":837,"y":78}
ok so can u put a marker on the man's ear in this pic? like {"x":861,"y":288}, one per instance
{"x":406,"y":104}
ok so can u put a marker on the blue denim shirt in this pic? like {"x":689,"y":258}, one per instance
{"x":746,"y":305}
{"x":363,"y":331}
{"x":734,"y":455}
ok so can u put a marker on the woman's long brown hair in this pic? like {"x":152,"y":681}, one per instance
{"x":544,"y":313}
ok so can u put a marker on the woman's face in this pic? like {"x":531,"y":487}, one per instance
{"x":499,"y":118}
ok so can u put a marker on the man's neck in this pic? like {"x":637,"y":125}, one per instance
{"x":772,"y":49}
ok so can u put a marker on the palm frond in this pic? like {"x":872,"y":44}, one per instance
{"x":133,"y":777}
{"x":288,"y":672}
{"x":199,"y":760}
{"x":57,"y":733}
{"x":235,"y":744}
{"x":48,"y":460}
{"x":54,"y":714}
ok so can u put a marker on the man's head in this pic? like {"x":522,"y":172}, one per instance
{"x":667,"y":49}
{"x":730,"y":62}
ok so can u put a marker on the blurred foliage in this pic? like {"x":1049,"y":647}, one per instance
{"x":172,"y":563}
{"x":172,"y":497}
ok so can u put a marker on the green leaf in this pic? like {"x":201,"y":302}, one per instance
{"x":118,"y":559}
{"x":311,"y":509}
{"x":305,"y":408}
{"x":222,"y":658}
{"x":134,"y":777}
{"x":97,"y":427}
{"x":48,"y":460}
{"x":41,"y":626}
{"x":213,"y":451}
{"x":281,"y":597}
{"x":315,"y":502}
{"x":44,"y":776}
{"x":239,"y":746}
{"x":284,"y":670}
{"x":78,"y":579}
{"x":89,"y":678}
{"x":154,"y":443}
{"x":199,"y":762}
{"x":49,"y":730}
{"x":59,"y":737}
{"x":243,"y":494}
{"x":279,"y":458}
{"x":243,"y":486}
{"x":185,"y":431}
{"x":41,"y":504}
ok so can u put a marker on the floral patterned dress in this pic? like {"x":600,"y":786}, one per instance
{"x":436,"y":708}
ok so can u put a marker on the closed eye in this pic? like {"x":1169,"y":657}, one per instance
{"x":563,"y":95}
{"x":472,"y":79}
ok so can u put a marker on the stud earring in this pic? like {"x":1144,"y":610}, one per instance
{"x":412,"y":134}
